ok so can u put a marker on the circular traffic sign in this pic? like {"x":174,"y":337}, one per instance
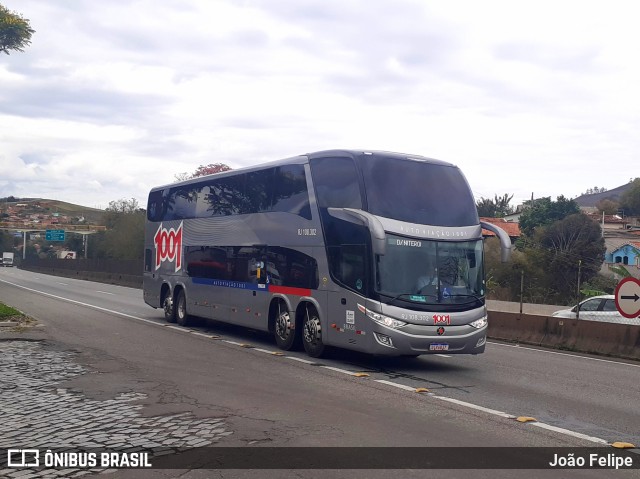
{"x":628,"y":297}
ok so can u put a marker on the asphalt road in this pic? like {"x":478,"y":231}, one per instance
{"x":290,"y":400}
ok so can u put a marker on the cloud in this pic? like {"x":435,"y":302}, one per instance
{"x":112,"y":98}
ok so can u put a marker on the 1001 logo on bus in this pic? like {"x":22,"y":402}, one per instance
{"x":168,"y":246}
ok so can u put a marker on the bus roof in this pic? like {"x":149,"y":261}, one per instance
{"x":302,"y":159}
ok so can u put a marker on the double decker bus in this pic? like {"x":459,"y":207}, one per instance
{"x":370,"y":251}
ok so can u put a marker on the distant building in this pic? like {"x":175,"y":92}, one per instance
{"x":511,"y":228}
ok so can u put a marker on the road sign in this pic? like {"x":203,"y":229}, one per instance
{"x":54,"y":235}
{"x":628,"y":297}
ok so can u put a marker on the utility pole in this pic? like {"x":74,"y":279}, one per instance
{"x":521,"y":290}
{"x":578,"y":306}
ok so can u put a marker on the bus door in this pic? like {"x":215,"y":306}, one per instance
{"x":346,"y":323}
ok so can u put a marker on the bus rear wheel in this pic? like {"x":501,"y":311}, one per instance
{"x":182,"y":317}
{"x":284,"y":330}
{"x":169,"y":310}
{"x":312,"y":333}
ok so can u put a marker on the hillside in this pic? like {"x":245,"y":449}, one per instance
{"x":592,"y":200}
{"x":13,"y":209}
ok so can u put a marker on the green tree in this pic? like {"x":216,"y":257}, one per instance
{"x":15,"y":31}
{"x":544,"y":212}
{"x":495,"y":208}
{"x":572,"y":246}
{"x":630,"y":199}
{"x":123,"y":206}
{"x":6,"y":241}
{"x":607,"y":206}
{"x":124,"y":237}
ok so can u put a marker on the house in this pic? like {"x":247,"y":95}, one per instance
{"x":627,"y":254}
{"x":609,"y":223}
{"x":512,"y":229}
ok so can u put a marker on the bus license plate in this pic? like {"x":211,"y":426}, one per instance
{"x":438,"y":347}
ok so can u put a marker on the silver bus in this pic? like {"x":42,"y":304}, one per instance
{"x":370,"y":251}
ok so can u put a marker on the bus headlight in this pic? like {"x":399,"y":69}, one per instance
{"x":385,"y":320}
{"x":479,"y":323}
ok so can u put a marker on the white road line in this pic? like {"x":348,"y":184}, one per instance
{"x":63,"y":284}
{"x":475,"y":406}
{"x":81,"y":303}
{"x":265,"y":351}
{"x":444,"y":355}
{"x":344,"y":371}
{"x":204,"y":335}
{"x":397,"y":385}
{"x":568,"y":432}
{"x":564,"y":354}
{"x":104,"y":292}
{"x":300,"y":360}
{"x":178,"y":328}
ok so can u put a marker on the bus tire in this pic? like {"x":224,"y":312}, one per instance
{"x":312,"y":333}
{"x":284,"y":330}
{"x":169,"y":310}
{"x":182,"y":317}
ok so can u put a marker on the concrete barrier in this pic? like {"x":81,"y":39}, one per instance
{"x":609,"y":339}
{"x":130,"y":280}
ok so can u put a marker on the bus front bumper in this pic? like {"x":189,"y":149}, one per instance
{"x":452,"y":340}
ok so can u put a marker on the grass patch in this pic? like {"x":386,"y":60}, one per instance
{"x":7,"y":312}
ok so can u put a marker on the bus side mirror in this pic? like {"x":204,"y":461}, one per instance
{"x":359,"y":217}
{"x":505,"y":241}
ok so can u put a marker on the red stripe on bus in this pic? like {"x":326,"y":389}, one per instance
{"x":289,"y":290}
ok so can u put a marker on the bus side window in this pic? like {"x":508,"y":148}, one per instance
{"x":336,"y":183}
{"x":290,"y":193}
{"x":352,"y":266}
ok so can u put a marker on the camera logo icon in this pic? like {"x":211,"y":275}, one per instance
{"x":23,"y":457}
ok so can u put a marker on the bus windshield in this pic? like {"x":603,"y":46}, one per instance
{"x":430,"y":272}
{"x":419,"y":192}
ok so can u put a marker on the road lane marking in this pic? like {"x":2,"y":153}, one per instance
{"x":267,"y":351}
{"x":205,"y":335}
{"x":177,"y":328}
{"x":475,"y":406}
{"x":569,"y":432}
{"x":63,"y":284}
{"x":563,"y":354}
{"x":300,"y":360}
{"x":343,"y":371}
{"x":396,"y":385}
{"x":80,"y":303}
{"x":103,"y":292}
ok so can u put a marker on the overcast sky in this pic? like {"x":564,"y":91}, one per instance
{"x":114,"y":97}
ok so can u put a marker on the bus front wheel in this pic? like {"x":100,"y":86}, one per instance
{"x":182,"y":317}
{"x":312,"y":333}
